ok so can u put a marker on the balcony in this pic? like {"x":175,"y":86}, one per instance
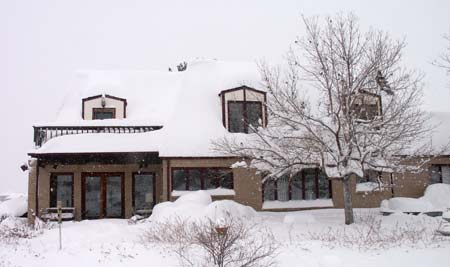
{"x":44,"y":133}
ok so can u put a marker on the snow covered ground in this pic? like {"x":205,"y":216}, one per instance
{"x":114,"y":242}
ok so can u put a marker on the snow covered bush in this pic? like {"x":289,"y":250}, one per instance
{"x":226,"y":242}
{"x":13,"y":229}
{"x":205,"y":233}
{"x":373,"y":232}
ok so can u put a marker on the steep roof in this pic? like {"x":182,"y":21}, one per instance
{"x":185,"y":103}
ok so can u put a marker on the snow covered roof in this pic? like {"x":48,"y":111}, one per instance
{"x":440,"y":134}
{"x":185,"y":103}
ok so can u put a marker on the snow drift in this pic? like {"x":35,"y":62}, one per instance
{"x":436,"y":198}
{"x":15,"y":205}
{"x":198,"y":205}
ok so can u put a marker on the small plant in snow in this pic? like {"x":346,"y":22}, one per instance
{"x":227,"y":242}
{"x":369,"y":233}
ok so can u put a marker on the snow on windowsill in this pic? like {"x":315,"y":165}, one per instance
{"x":367,"y":187}
{"x":212,"y":192}
{"x":293,"y":204}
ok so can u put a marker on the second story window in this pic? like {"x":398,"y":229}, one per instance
{"x":103,"y":113}
{"x":243,"y":109}
{"x":244,"y":115}
{"x":367,"y":106}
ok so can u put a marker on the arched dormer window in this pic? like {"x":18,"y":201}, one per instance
{"x":100,"y":107}
{"x":243,"y":108}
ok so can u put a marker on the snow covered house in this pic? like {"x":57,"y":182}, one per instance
{"x":125,"y":140}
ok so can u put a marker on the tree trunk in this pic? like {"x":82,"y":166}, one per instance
{"x":348,"y":205}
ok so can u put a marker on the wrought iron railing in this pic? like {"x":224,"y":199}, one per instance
{"x":44,"y":133}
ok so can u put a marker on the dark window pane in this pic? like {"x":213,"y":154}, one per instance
{"x":254,"y":114}
{"x":143,"y":191}
{"x":236,"y":117}
{"x":310,"y":184}
{"x":101,"y":115}
{"x":225,"y":178}
{"x":61,"y":190}
{"x":435,"y":174}
{"x":211,"y":178}
{"x":324,"y":186}
{"x":445,"y":172}
{"x":269,"y":190}
{"x":283,"y":188}
{"x":93,"y":197}
{"x":113,"y":196}
{"x":296,"y":186}
{"x":195,"y":179}
{"x":179,"y":180}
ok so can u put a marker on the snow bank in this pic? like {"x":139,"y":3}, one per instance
{"x":405,"y":204}
{"x":213,"y":192}
{"x":199,"y":206}
{"x":297,"y":204}
{"x":14,"y":205}
{"x":438,"y":195}
{"x":436,"y":198}
{"x":299,"y":218}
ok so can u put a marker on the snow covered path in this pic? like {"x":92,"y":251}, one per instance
{"x":114,"y":242}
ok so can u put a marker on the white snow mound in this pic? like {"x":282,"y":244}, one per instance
{"x":299,"y":219}
{"x":438,"y":195}
{"x":436,"y":198}
{"x":14,"y":205}
{"x":198,"y":206}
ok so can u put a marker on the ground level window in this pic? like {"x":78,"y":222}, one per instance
{"x":308,"y":184}
{"x":61,"y":189}
{"x":143,"y":191}
{"x":192,"y":179}
{"x":440,"y":174}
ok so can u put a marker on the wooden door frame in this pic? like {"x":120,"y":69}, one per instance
{"x":102,"y":176}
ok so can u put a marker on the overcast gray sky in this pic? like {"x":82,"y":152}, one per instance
{"x":43,"y":42}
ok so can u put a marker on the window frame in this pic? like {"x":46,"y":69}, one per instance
{"x":54,"y":176}
{"x":95,"y":110}
{"x":303,"y":182}
{"x":245,"y":113}
{"x":441,"y":180}
{"x":133,"y":199}
{"x":202,"y":178}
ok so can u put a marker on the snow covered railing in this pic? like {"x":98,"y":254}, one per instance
{"x":44,"y":133}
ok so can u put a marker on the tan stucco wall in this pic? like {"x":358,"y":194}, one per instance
{"x":128,"y":170}
{"x":97,"y":103}
{"x":360,"y":199}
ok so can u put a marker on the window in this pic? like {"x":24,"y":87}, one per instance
{"x":61,"y":189}
{"x":440,"y":174}
{"x":192,"y":179}
{"x":241,"y":114}
{"x":366,"y":106}
{"x":103,"y":113}
{"x":369,"y":176}
{"x":143,"y":191}
{"x":307,"y":184}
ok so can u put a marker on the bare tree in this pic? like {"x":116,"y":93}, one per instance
{"x":444,"y":59}
{"x":357,"y":107}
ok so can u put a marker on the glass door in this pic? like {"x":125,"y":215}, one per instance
{"x":93,"y":197}
{"x":113,"y":196}
{"x":103,"y":195}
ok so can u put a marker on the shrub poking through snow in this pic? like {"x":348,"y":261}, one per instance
{"x":370,"y":233}
{"x":13,"y":229}
{"x":227,"y":241}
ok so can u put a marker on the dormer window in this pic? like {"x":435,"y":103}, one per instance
{"x":243,"y":109}
{"x":367,"y":106}
{"x":243,"y":116}
{"x":103,"y":113}
{"x":102,"y":107}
